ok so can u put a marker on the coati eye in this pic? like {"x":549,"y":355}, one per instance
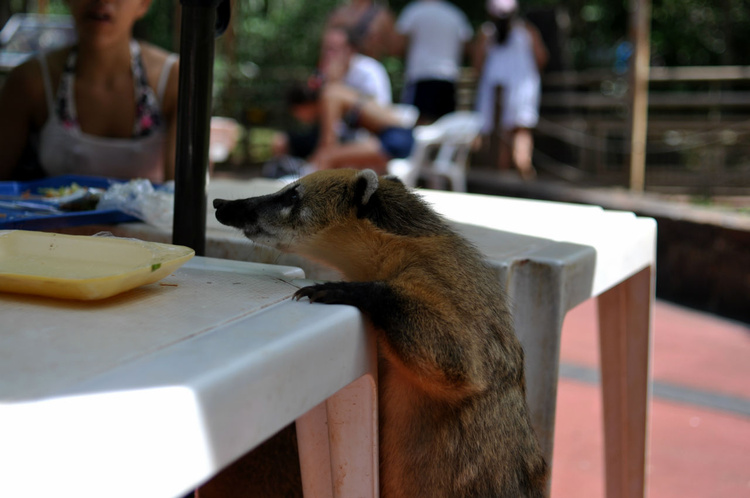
{"x":290,"y":197}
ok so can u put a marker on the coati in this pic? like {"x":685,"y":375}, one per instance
{"x":453,"y":414}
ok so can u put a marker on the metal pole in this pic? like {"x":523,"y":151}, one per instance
{"x":198,"y":29}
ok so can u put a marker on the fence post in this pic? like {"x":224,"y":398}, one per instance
{"x":640,"y":33}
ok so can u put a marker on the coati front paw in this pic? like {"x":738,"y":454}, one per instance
{"x":327,"y":293}
{"x":376,"y":299}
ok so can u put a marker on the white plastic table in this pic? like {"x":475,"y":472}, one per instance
{"x":152,"y":392}
{"x":549,"y":257}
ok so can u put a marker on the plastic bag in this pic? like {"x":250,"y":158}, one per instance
{"x":139,"y":198}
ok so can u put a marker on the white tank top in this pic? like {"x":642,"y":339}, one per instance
{"x":512,"y":66}
{"x":67,"y":150}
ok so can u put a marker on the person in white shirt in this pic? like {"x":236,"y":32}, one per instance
{"x":334,"y":103}
{"x":339,"y":62}
{"x":510,"y":53}
{"x":435,"y":34}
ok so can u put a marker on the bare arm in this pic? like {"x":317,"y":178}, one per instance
{"x":541,"y":55}
{"x":478,"y":48}
{"x":17,"y":97}
{"x":398,"y":44}
{"x":337,"y":99}
{"x":383,"y":36}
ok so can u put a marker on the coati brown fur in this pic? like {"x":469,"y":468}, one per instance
{"x":453,"y":414}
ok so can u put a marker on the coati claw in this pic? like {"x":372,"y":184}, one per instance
{"x":328,"y":293}
{"x":303,"y":292}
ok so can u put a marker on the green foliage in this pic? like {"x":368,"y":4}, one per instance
{"x":279,"y":32}
{"x":58,"y":7}
{"x":683,"y":32}
{"x":158,"y":25}
{"x":700,"y":32}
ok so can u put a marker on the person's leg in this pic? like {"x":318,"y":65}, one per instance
{"x":337,"y":100}
{"x":359,"y":155}
{"x":504,"y":150}
{"x":523,"y":147}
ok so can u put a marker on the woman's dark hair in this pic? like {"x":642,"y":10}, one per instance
{"x":301,"y":94}
{"x":502,"y":29}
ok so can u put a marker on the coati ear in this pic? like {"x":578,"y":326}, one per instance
{"x":365,"y":185}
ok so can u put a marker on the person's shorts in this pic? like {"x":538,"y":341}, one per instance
{"x":433,"y":98}
{"x":397,"y":142}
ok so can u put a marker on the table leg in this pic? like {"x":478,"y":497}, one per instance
{"x":539,"y":306}
{"x":353,"y":433}
{"x":315,"y":453}
{"x":338,"y":440}
{"x":625,"y":342}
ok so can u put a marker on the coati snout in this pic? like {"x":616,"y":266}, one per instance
{"x":263,"y":219}
{"x":454,"y":421}
{"x":235,"y":213}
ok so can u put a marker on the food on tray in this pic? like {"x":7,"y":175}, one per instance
{"x":62,"y":191}
{"x":68,"y":200}
{"x":73,"y":197}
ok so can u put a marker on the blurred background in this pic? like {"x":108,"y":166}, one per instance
{"x":699,"y":99}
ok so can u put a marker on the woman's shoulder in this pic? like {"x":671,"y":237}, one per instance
{"x":154,"y":57}
{"x":24,"y":87}
{"x":30,"y":72}
{"x":154,"y":60}
{"x":27,"y":79}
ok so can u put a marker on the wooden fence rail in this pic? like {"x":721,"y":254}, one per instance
{"x":698,"y":127}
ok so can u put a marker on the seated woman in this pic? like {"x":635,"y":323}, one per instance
{"x":336,"y":103}
{"x":338,"y":61}
{"x":106,"y":106}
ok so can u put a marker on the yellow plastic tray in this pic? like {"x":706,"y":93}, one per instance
{"x":80,"y":267}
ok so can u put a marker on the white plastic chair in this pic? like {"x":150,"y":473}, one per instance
{"x":407,"y":113}
{"x":452,"y":136}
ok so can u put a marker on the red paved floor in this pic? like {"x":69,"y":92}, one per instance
{"x":697,"y":449}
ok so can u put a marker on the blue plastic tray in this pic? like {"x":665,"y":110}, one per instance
{"x":17,"y":219}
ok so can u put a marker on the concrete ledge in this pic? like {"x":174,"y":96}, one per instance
{"x":703,"y":254}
